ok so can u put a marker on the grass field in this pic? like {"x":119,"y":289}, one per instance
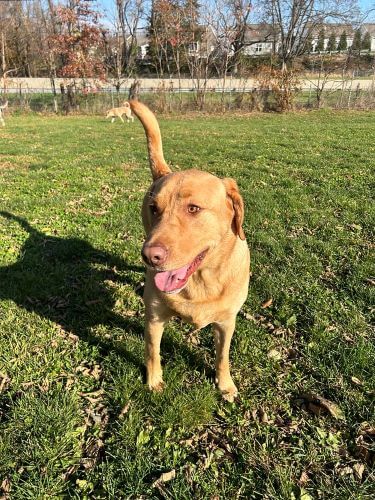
{"x":75,"y":417}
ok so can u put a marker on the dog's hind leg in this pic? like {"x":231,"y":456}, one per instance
{"x":121,"y":118}
{"x":223,"y":335}
{"x":113,"y":119}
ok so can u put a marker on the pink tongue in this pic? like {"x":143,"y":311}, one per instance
{"x":168,"y":281}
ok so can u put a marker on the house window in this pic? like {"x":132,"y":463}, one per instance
{"x":193,"y":47}
{"x":258,"y":47}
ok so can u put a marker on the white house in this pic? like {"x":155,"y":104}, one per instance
{"x":337,"y":30}
{"x":260,"y":39}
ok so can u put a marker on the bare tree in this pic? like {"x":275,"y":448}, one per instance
{"x":48,"y":30}
{"x":296,"y":21}
{"x":232,"y":30}
{"x":323,"y":84}
{"x":220,"y":25}
{"x":240,"y":10}
{"x":129,"y":15}
{"x":165,"y":35}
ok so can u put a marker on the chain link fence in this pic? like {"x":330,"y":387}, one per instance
{"x":184,"y":100}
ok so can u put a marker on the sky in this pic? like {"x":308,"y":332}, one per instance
{"x":365,"y":6}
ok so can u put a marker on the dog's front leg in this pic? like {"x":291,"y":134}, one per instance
{"x":153,"y":334}
{"x":223,"y":335}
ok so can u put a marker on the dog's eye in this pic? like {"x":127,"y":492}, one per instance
{"x":193,"y":209}
{"x":153,"y":209}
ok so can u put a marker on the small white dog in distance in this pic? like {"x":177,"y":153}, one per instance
{"x":2,"y":107}
{"x":119,"y":112}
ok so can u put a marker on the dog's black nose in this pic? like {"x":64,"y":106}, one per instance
{"x":154,"y":255}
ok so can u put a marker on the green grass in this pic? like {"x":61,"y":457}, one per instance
{"x":75,"y":417}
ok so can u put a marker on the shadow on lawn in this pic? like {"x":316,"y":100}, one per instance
{"x":59,"y":279}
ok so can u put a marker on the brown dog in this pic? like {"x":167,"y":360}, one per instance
{"x":122,"y":110}
{"x":196,"y":255}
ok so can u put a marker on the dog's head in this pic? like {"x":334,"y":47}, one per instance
{"x":188,"y":216}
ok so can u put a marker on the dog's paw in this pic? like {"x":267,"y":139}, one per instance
{"x":229,"y":393}
{"x":156,"y":385}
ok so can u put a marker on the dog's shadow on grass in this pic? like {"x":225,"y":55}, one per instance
{"x":64,"y":280}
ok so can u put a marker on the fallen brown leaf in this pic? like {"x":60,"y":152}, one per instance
{"x":366,"y":429}
{"x":125,"y":410}
{"x":92,"y":450}
{"x":365,"y":443}
{"x":266,"y":304}
{"x":193,"y":337}
{"x":164,"y":478}
{"x":260,"y":415}
{"x":274,"y":354}
{"x":358,"y":469}
{"x":186,"y":442}
{"x":315,"y":409}
{"x":96,"y":372}
{"x":249,"y":316}
{"x":26,"y":385}
{"x":4,"y":382}
{"x":292,"y":353}
{"x":345,"y":471}
{"x":71,"y":470}
{"x":5,"y":485}
{"x":304,"y":478}
{"x":356,"y":381}
{"x":348,"y":338}
{"x":316,"y":400}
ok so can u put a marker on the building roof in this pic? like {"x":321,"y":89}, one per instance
{"x":369,"y":28}
{"x":336,"y":28}
{"x":258,"y":32}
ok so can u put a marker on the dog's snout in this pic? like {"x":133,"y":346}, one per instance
{"x":154,"y":255}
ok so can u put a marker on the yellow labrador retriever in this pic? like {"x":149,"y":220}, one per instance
{"x":119,"y":112}
{"x":196,"y":254}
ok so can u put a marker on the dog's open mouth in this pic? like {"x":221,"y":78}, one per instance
{"x":174,"y":281}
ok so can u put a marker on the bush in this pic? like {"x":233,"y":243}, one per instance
{"x":282,"y":84}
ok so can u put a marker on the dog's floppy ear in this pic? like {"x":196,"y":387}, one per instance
{"x":233,"y":194}
{"x":158,"y":165}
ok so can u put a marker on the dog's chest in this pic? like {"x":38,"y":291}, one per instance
{"x":198,"y":306}
{"x":194,"y":314}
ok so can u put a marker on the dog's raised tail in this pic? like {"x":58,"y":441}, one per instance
{"x":158,"y":165}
